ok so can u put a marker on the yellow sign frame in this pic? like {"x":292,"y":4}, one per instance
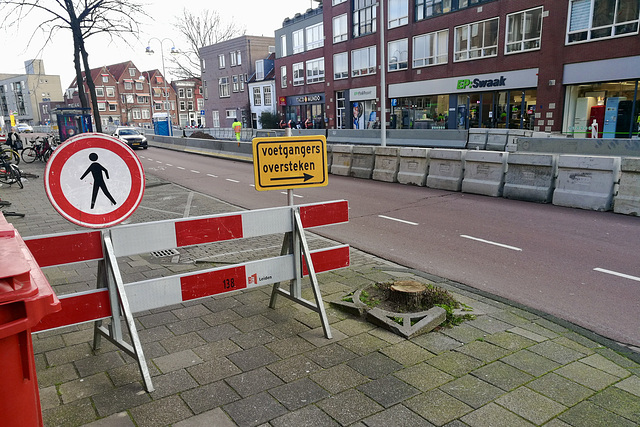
{"x":290,"y":162}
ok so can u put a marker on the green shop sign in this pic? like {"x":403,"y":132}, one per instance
{"x":477,"y":83}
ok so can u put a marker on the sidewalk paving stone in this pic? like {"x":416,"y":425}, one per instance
{"x":530,"y":405}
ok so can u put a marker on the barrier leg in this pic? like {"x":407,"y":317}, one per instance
{"x":286,"y":249}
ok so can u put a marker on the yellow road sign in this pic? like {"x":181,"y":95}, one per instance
{"x":290,"y":162}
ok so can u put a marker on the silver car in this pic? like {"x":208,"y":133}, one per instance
{"x":132,"y":137}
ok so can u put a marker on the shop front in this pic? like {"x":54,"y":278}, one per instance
{"x":494,"y":100}
{"x":364,"y":108}
{"x":302,"y":107}
{"x":601,"y":99}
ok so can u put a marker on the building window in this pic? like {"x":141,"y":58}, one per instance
{"x":223,"y":87}
{"x":266,"y":90}
{"x":128,"y":85}
{"x":477,"y":40}
{"x":298,"y":74}
{"x":364,"y":17}
{"x":111,"y":92}
{"x":398,"y":13}
{"x":215,"y":115}
{"x":183,"y":106}
{"x":136,"y":114}
{"x":283,"y":46}
{"x":524,"y":30}
{"x":236,"y":83}
{"x":231,"y":114}
{"x":430,"y":49}
{"x":189,"y":105}
{"x":221,"y":61}
{"x":132,"y":72}
{"x":146,"y":114}
{"x":315,"y":70}
{"x":232,"y":59}
{"x":113,"y":107}
{"x":428,"y":8}
{"x":142,"y":100}
{"x":189,"y":93}
{"x":363,"y":61}
{"x":335,"y":2}
{"x":260,"y":70}
{"x":139,"y":86}
{"x":180,"y":93}
{"x":238,"y":57}
{"x":242,"y":80}
{"x":315,"y":36}
{"x":298,"y":41}
{"x":595,"y":19}
{"x":340,"y":66}
{"x":200,"y":103}
{"x":283,"y":76}
{"x":340,"y":28}
{"x":99,"y":91}
{"x":105,"y":79}
{"x":398,"y":55}
{"x":102,"y":106}
{"x":257,"y":97}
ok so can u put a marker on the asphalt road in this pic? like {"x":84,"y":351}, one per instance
{"x":578,"y":265}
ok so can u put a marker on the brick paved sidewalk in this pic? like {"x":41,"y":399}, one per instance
{"x":230,"y":360}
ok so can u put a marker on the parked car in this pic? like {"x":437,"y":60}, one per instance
{"x":23,"y":127}
{"x":132,"y":137}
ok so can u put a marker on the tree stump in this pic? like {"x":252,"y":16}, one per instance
{"x":407,"y":292}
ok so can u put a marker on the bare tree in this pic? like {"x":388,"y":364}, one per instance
{"x":199,"y":30}
{"x":84,"y":18}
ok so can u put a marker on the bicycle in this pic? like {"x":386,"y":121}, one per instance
{"x":12,"y":155}
{"x":39,"y":150}
{"x":9,"y":173}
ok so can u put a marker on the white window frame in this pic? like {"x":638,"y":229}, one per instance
{"x":181,"y":93}
{"x":440,"y":44}
{"x":113,"y":107}
{"x":102,"y":106}
{"x":298,"y":73}
{"x":283,"y":76}
{"x":283,"y":45}
{"x":231,"y":113}
{"x":266,"y":94}
{"x":136,"y":114}
{"x":315,"y":70}
{"x":232,"y":59}
{"x":236,"y":83}
{"x":105,"y":79}
{"x":139,"y":86}
{"x":215,"y":117}
{"x":516,"y":43}
{"x":260,"y":69}
{"x":365,"y":18}
{"x":585,"y":23}
{"x":183,"y":106}
{"x":257,"y":96}
{"x":427,"y":8}
{"x":315,"y":36}
{"x":128,"y":85}
{"x":401,"y":61}
{"x":223,"y":87}
{"x":100,"y":91}
{"x":467,"y":53}
{"x":297,"y":38}
{"x":221,"y":63}
{"x":238,"y":57}
{"x":132,"y":72}
{"x":398,"y":13}
{"x":363,"y":61}
{"x":341,"y":66}
{"x":340,"y":28}
{"x":335,"y":2}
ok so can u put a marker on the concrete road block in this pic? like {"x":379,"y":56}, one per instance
{"x":446,"y":169}
{"x":329,"y":156}
{"x":627,"y":201}
{"x":341,"y":159}
{"x":530,"y":177}
{"x":484,"y":172}
{"x":413,"y":166}
{"x":586,"y":182}
{"x":497,"y":139}
{"x":387,"y":164}
{"x":477,"y":139}
{"x":362,"y":161}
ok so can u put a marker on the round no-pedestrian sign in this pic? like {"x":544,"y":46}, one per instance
{"x":94,"y":180}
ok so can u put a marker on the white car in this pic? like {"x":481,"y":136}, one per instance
{"x":132,"y":137}
{"x":23,"y":127}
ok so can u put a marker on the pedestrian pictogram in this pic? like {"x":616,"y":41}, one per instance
{"x":290,"y":162}
{"x":94,"y":180}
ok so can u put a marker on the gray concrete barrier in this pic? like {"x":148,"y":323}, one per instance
{"x":446,"y":169}
{"x":414,"y":166}
{"x":329,"y":156}
{"x":581,"y":146}
{"x":484,"y":172}
{"x":387,"y":164}
{"x":512,"y":138}
{"x":440,"y":138}
{"x":477,"y":139}
{"x":586,"y":182}
{"x":362,"y":161}
{"x":341,"y":162}
{"x":627,"y":201}
{"x":497,"y":139}
{"x":530,"y":177}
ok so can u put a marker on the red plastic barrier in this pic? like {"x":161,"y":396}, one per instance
{"x":25,"y":298}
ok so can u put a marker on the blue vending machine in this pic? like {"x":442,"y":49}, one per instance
{"x":611,"y":116}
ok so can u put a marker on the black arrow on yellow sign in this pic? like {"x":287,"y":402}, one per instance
{"x":306,"y":177}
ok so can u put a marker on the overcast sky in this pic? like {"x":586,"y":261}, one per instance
{"x":258,"y":17}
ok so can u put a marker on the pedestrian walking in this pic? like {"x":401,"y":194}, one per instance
{"x":237,"y":128}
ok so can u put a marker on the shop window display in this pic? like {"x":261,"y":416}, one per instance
{"x":425,"y":112}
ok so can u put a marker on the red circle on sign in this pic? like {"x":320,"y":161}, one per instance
{"x":55,"y":189}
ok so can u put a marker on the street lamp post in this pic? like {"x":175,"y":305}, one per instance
{"x":383,"y":79}
{"x":164,"y":74}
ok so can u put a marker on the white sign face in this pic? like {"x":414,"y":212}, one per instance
{"x":94,"y":180}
